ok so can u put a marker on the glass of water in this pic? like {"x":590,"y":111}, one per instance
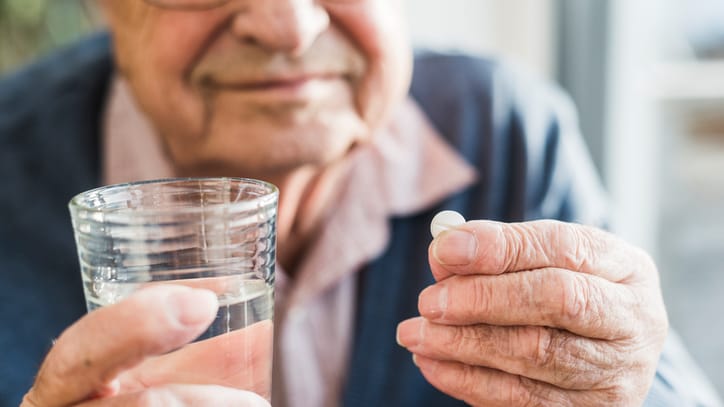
{"x":213,"y":233}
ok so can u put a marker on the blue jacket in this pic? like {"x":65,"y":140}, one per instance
{"x":521,"y":137}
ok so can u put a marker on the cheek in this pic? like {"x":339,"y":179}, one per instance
{"x":156,"y":53}
{"x":177,"y":41}
{"x":165,"y":40}
{"x":377,"y":27}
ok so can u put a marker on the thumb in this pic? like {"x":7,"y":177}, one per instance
{"x":90,"y":354}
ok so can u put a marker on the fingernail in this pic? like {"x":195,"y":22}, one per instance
{"x":455,"y":247}
{"x":433,"y":301}
{"x":193,"y":307}
{"x":409,"y":333}
{"x":414,"y":360}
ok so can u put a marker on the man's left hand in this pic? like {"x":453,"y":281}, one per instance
{"x":538,"y":313}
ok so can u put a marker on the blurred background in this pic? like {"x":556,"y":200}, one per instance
{"x":648,"y":79}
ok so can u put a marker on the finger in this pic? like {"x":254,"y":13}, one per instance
{"x":183,"y":395}
{"x":484,"y":247}
{"x":240,"y":359}
{"x":479,"y":386}
{"x":90,"y":354}
{"x":543,"y":354}
{"x":582,"y":304}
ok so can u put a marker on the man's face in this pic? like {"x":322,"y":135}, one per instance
{"x":263,"y":86}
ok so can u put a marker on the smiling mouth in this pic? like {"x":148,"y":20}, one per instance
{"x":273,"y":84}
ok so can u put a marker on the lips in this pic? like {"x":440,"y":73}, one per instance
{"x":272,"y":83}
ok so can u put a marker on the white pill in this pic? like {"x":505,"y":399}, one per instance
{"x":445,"y":220}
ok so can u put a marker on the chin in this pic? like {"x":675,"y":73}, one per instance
{"x":255,"y":143}
{"x":272,"y":156}
{"x":284,"y":145}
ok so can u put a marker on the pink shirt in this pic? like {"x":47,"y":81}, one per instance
{"x":406,"y":169}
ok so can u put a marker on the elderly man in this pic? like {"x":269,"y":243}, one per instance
{"x":318,"y":97}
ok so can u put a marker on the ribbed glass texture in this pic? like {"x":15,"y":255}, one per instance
{"x":213,"y":233}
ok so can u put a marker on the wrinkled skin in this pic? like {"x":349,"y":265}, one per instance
{"x":123,"y":355}
{"x":538,"y":314}
{"x":277,"y":90}
{"x":205,"y":79}
{"x":281,"y":90}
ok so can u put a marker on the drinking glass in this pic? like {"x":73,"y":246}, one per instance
{"x":213,"y":233}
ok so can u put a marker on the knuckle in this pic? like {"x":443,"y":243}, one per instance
{"x":482,"y":297}
{"x":562,"y":355}
{"x":575,"y":297}
{"x":558,"y":243}
{"x":587,"y":244}
{"x":570,"y":366}
{"x":530,"y":393}
{"x":544,"y":349}
{"x":521,"y":394}
{"x":515,"y":394}
{"x":554,"y":353}
{"x":507,"y":342}
{"x":458,"y":341}
{"x":514,"y":237}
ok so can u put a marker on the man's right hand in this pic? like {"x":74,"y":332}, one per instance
{"x":119,"y":356}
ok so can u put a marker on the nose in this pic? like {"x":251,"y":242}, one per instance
{"x":288,"y":26}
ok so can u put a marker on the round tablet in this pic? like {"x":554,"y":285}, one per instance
{"x":445,"y":220}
